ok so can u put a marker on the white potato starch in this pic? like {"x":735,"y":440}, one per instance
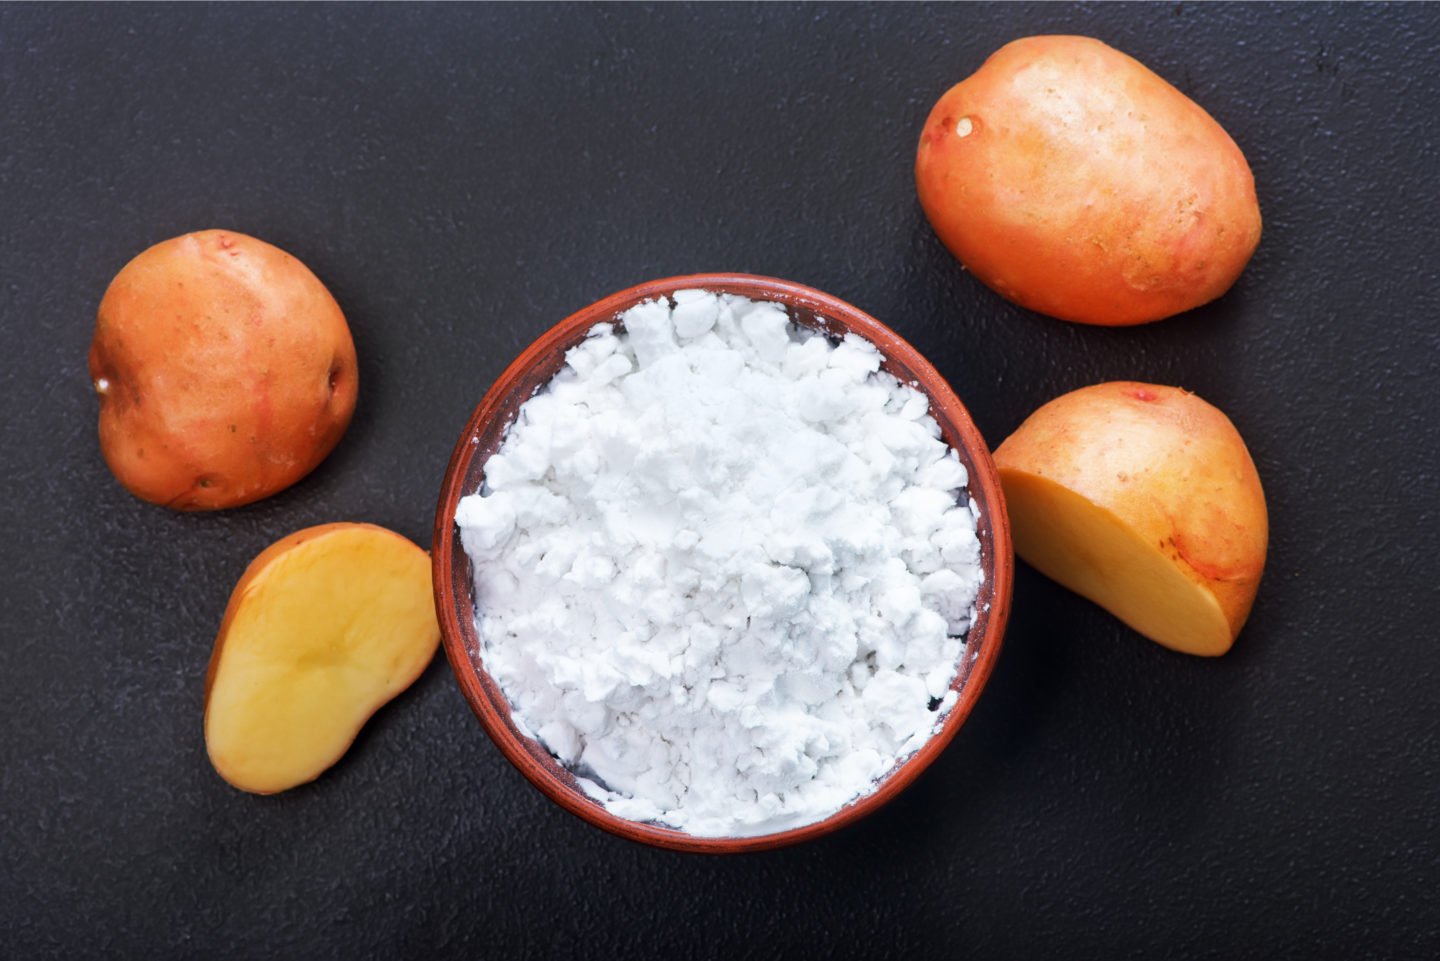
{"x":724,"y":567}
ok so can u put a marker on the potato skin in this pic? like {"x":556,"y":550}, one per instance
{"x":1072,"y":180}
{"x":225,"y":371}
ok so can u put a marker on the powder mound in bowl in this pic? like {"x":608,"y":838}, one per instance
{"x":724,"y":567}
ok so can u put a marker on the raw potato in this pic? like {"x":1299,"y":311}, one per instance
{"x":1145,"y":500}
{"x":225,"y":371}
{"x":1072,"y":180}
{"x":324,"y":627}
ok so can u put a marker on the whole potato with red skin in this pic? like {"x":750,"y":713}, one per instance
{"x":1072,"y":180}
{"x":225,"y":371}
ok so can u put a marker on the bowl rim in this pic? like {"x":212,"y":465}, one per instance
{"x":515,"y":385}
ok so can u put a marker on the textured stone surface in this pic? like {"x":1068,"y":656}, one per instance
{"x":464,"y":176}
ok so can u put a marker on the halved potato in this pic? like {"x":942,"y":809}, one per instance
{"x":1144,"y":499}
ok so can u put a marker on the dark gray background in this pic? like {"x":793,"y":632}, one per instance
{"x":462,"y":177}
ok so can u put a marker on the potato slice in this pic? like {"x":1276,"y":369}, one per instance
{"x":324,"y":627}
{"x":1143,"y":499}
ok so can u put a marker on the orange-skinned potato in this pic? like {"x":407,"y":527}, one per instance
{"x":1144,"y":499}
{"x":1072,"y":180}
{"x":225,"y":371}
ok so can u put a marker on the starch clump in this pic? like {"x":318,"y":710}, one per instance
{"x":724,"y":567}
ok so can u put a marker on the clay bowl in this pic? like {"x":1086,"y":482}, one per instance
{"x":534,"y":368}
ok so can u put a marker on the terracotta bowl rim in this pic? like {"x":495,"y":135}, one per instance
{"x":533,"y":368}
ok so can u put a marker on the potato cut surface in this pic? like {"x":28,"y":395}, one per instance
{"x":1094,"y":553}
{"x":324,"y":628}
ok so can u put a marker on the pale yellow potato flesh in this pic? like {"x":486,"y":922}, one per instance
{"x":1097,"y":555}
{"x":324,"y":628}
